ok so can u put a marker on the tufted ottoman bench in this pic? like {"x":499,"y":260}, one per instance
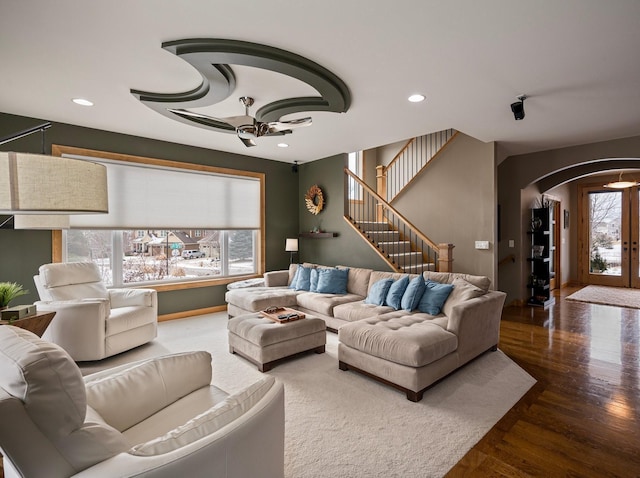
{"x":407,"y":351}
{"x":263,"y":341}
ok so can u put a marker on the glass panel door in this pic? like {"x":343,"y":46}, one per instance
{"x":606,"y":237}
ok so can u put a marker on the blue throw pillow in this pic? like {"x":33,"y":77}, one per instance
{"x":434,"y":297}
{"x":304,"y":278}
{"x":396,"y":291}
{"x":294,"y":281}
{"x":378,"y":292}
{"x":332,"y":281}
{"x":313,"y":281}
{"x":413,"y":294}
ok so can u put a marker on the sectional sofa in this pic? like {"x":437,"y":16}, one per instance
{"x":406,"y":330}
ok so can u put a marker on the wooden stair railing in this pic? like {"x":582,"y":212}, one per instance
{"x":410,"y":161}
{"x":392,"y":236}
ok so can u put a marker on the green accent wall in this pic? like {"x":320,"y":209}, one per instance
{"x":347,"y":248}
{"x":22,"y":251}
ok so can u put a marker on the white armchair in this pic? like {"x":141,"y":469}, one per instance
{"x":93,"y":322}
{"x":156,"y":418}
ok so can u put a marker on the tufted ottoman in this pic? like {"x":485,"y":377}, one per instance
{"x":407,"y":351}
{"x":263,"y":341}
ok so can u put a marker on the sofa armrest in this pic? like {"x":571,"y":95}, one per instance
{"x":476,"y":323}
{"x":79,"y":326}
{"x":132,"y":297}
{"x":276,"y":278}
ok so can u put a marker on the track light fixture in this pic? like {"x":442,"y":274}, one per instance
{"x":518,"y":107}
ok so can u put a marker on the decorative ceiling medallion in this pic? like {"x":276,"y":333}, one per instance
{"x":213,"y":57}
{"x":314,"y":199}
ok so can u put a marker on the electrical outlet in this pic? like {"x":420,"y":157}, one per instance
{"x":512,"y":243}
{"x":482,"y":244}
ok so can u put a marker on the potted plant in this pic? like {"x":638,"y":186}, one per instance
{"x":10,"y":291}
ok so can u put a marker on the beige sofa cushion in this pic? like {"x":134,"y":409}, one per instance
{"x":462,"y":291}
{"x":358,"y":282}
{"x":409,"y":339}
{"x":481,"y":282}
{"x":359,"y":310}
{"x":324,"y":303}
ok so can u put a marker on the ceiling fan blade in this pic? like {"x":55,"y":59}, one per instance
{"x":284,"y":125}
{"x":248,"y":142}
{"x":205,"y":119}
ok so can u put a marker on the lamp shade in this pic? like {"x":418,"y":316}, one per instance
{"x":291,"y":245}
{"x":39,"y":184}
{"x":41,"y":221}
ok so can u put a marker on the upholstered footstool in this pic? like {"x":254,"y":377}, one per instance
{"x":263,"y":341}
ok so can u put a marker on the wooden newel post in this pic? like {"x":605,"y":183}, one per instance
{"x":445,"y":257}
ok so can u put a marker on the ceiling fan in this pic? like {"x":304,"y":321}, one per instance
{"x":246,"y":127}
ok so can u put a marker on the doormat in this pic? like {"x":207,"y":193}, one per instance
{"x":617,"y":296}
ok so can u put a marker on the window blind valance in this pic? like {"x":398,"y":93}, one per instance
{"x":149,"y":196}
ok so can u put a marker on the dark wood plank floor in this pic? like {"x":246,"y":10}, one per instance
{"x":582,"y":418}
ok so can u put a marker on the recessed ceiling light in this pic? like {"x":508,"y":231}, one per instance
{"x":82,"y":102}
{"x":417,"y":98}
{"x":283,"y":145}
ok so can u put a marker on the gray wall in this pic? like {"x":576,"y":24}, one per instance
{"x":22,"y":252}
{"x":521,"y":177}
{"x":454,"y":201}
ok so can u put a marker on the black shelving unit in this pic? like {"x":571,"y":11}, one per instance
{"x":541,"y":258}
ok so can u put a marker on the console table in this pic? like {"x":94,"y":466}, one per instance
{"x":34,"y":323}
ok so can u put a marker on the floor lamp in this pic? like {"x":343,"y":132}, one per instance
{"x":292,"y":247}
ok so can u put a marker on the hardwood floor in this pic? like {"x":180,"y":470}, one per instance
{"x":582,"y":417}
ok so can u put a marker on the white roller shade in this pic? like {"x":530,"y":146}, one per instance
{"x":142,"y":196}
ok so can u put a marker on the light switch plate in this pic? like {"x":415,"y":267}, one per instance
{"x":482,"y":244}
{"x":512,"y":243}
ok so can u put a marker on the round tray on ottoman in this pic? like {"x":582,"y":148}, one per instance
{"x":263,"y":341}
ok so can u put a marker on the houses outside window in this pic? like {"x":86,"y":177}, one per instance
{"x":125,"y":257}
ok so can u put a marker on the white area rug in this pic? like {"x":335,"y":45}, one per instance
{"x":598,"y":294}
{"x":342,"y":424}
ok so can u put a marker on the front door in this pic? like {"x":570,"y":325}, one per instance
{"x":609,"y":236}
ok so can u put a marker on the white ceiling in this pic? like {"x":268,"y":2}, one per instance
{"x":578,"y":60}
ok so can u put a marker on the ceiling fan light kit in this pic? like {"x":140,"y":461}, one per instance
{"x":210,"y":56}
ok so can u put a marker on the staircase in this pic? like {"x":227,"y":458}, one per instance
{"x":392,"y":236}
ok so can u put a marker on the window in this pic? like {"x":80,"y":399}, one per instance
{"x":169,"y":222}
{"x":127,"y":257}
{"x":355,"y":166}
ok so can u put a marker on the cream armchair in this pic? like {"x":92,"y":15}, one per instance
{"x":91,"y":321}
{"x":159,"y":417}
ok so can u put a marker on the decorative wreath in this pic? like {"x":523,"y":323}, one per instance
{"x":314,"y":199}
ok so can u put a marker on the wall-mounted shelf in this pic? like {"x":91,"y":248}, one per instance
{"x":318,"y":235}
